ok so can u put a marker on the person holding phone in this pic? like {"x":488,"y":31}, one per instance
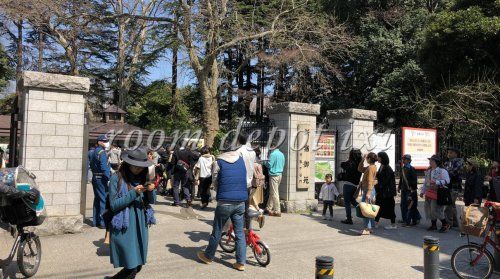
{"x":130,"y":201}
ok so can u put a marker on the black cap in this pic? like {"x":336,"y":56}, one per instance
{"x":435,"y":158}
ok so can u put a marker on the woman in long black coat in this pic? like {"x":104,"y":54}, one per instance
{"x":385,"y":191}
{"x":473,"y":190}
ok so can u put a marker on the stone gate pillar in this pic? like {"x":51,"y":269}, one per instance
{"x":354,"y":127}
{"x":51,"y":144}
{"x":298,"y":121}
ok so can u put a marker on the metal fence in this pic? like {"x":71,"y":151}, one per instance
{"x":260,"y":132}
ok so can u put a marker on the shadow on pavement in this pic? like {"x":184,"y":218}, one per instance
{"x":11,"y":271}
{"x":408,"y":235}
{"x":88,"y":221}
{"x":188,"y":253}
{"x":197,"y":236}
{"x":444,"y":272}
{"x":102,"y":249}
{"x":5,"y":227}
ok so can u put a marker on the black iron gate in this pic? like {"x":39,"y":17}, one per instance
{"x":15,"y":123}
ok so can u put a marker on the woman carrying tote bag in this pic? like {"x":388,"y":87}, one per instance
{"x":367,"y":187}
{"x":130,"y":201}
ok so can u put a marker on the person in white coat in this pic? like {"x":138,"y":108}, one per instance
{"x":246,"y":151}
{"x":203,"y":174}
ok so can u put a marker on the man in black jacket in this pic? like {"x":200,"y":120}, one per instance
{"x":351,"y":177}
{"x":183,"y":174}
{"x":407,"y":181}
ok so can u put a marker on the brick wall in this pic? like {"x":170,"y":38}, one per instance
{"x":52,"y":111}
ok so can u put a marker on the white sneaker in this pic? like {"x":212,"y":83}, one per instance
{"x":391,"y":227}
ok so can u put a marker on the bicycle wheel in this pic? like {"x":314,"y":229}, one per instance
{"x":29,"y":256}
{"x":227,"y":243}
{"x":264,"y":258}
{"x":462,"y":258}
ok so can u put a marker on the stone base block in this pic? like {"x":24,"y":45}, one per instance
{"x":299,"y":206}
{"x":54,"y":225}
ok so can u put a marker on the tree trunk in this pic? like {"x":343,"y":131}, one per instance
{"x":120,"y":63}
{"x":19,"y":56}
{"x":248,"y":92}
{"x":72,"y":55}
{"x":259,"y":110}
{"x":175,"y":50}
{"x":210,"y":113}
{"x":41,"y":46}
{"x":209,"y":82}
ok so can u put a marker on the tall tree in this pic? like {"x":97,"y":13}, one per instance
{"x":206,"y":34}
{"x":134,"y":20}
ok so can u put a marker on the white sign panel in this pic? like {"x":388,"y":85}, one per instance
{"x":420,"y":144}
{"x":384,"y":142}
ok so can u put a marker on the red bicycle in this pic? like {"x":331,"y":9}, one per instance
{"x":474,"y":260}
{"x":259,"y":248}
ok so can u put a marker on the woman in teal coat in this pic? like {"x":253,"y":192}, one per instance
{"x":130,"y":200}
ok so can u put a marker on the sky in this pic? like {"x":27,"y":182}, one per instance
{"x":163,"y":70}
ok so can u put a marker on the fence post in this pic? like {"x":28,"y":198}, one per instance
{"x":431,"y":257}
{"x":324,"y":267}
{"x":497,"y":253}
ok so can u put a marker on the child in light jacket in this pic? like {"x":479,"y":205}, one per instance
{"x":328,"y":194}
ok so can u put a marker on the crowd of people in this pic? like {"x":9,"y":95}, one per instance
{"x":444,"y":183}
{"x":125,"y":184}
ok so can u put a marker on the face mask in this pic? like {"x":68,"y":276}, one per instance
{"x":106,"y":145}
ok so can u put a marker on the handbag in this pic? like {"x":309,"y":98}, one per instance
{"x":443,"y":196}
{"x":431,"y":194}
{"x":369,"y":210}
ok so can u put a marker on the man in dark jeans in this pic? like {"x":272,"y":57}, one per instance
{"x":185,"y":160}
{"x":455,"y":168}
{"x":351,"y":177}
{"x":230,"y":181}
{"x":407,"y":181}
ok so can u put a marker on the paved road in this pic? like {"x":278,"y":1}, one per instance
{"x":294,"y":240}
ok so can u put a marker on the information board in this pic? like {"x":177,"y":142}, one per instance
{"x":421,"y":144}
{"x":325,"y":157}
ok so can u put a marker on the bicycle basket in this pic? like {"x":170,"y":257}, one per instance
{"x":474,"y":220}
{"x":22,"y":211}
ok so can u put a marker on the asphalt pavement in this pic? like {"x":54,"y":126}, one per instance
{"x":294,"y":240}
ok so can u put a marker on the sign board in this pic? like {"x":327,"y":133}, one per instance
{"x":420,"y":144}
{"x":324,"y":162}
{"x":385,"y":142}
{"x":303,"y":146}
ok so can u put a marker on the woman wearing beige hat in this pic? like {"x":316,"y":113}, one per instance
{"x":473,"y":190}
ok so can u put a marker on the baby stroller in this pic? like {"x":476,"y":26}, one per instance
{"x":21,"y":213}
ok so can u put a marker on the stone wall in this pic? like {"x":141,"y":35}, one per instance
{"x":287,"y":116}
{"x":354,"y":126}
{"x":51,"y":145}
